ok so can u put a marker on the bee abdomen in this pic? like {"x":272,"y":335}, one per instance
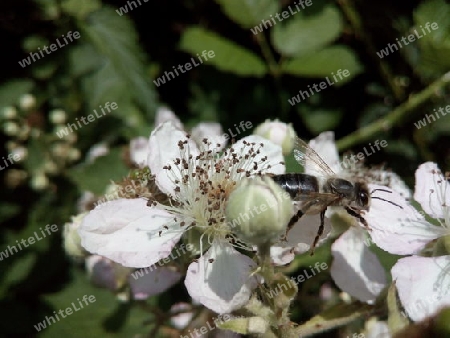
{"x":296,"y":184}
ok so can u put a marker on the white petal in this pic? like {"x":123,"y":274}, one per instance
{"x":163,"y":150}
{"x":181,"y":320}
{"x":325,"y":147}
{"x":299,"y":239}
{"x":432,"y":191}
{"x":273,"y":152}
{"x":164,"y":114}
{"x":399,"y":229}
{"x":139,"y":151}
{"x":355,"y":269}
{"x":97,"y":150}
{"x":149,"y":281}
{"x":423,"y":284}
{"x":225,"y":284}
{"x":210,"y":130}
{"x":127,"y":232}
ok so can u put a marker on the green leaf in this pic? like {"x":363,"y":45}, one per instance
{"x":116,"y":40}
{"x":321,"y":120}
{"x":11,"y":91}
{"x":305,"y":34}
{"x":80,"y":8}
{"x":248,"y":13}
{"x":228,"y":56}
{"x":106,"y":317}
{"x":8,"y":210}
{"x":331,"y":318}
{"x":96,"y":176}
{"x":19,"y":270}
{"x":325,"y":62}
{"x":434,"y":56}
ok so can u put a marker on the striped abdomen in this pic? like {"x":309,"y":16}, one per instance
{"x":297,"y":184}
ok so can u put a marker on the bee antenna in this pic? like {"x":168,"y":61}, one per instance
{"x":380,"y":190}
{"x":382,"y":199}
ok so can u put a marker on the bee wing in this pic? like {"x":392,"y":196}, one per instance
{"x":303,"y":153}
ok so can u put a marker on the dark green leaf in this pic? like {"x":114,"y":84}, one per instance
{"x":80,"y":8}
{"x":8,"y":210}
{"x":248,"y":13}
{"x":321,"y":120}
{"x":96,"y":176}
{"x":325,"y":62}
{"x":106,"y":317}
{"x":115,"y":39}
{"x":305,"y":34}
{"x":228,"y":56}
{"x":11,"y":91}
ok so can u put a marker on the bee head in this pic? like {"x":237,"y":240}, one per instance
{"x":362,"y":195}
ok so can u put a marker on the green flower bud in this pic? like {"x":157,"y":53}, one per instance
{"x":71,"y":238}
{"x":258,"y":210}
{"x":11,"y":128}
{"x":279,"y":133}
{"x":27,"y":102}
{"x":9,"y":113}
{"x":57,"y":116}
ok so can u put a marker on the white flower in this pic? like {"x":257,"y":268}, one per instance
{"x":198,"y":182}
{"x":358,"y":272}
{"x":139,"y":151}
{"x":164,"y":114}
{"x":211,"y":131}
{"x":423,"y":283}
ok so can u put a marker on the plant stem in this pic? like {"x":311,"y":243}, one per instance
{"x":395,"y":116}
{"x":358,"y":29}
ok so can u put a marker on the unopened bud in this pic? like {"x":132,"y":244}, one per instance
{"x":9,"y":113}
{"x":71,"y":238}
{"x":11,"y":128}
{"x":279,"y":133}
{"x":27,"y":101}
{"x":259,"y":210}
{"x":57,"y":116}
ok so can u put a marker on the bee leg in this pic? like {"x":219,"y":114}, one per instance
{"x":291,"y":223}
{"x":358,"y":216}
{"x":319,"y":232}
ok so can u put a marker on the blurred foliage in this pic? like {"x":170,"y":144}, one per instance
{"x":118,"y":57}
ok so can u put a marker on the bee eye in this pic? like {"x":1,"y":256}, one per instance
{"x":364,"y":198}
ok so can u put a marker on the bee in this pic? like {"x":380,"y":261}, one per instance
{"x":316,"y":193}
